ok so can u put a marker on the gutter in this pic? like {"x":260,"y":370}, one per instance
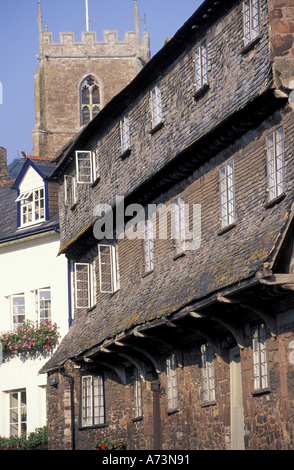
{"x":40,"y":231}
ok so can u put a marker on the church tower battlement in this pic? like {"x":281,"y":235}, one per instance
{"x":75,"y":79}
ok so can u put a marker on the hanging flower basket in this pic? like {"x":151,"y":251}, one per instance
{"x":29,"y":337}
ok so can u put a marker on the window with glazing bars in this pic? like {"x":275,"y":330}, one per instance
{"x":179,"y":224}
{"x":138,"y":405}
{"x":44,"y":305}
{"x":260,"y":372}
{"x":275,"y":164}
{"x":227,"y":195}
{"x":208,"y":382}
{"x":18,"y":310}
{"x":86,"y":165}
{"x":69,"y":190}
{"x":17,"y":412}
{"x":251,"y":15}
{"x":93,"y":406}
{"x":125,"y":133}
{"x":156,"y":106}
{"x":84,"y":285}
{"x":32,"y":207}
{"x":172,"y":387}
{"x":108,"y":268}
{"x":201,"y":77}
{"x":148,"y":244}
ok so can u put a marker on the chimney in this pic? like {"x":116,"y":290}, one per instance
{"x":3,"y":165}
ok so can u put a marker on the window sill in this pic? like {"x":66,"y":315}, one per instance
{"x":201,"y":92}
{"x":174,"y":410}
{"x":126,"y":153}
{"x":261,"y":391}
{"x":227,"y":229}
{"x":95,"y":426}
{"x":89,"y":309}
{"x":147,"y":273}
{"x":139,"y":418}
{"x":157,"y":127}
{"x":275,"y":201}
{"x":250,"y":45}
{"x":179,"y":255}
{"x":205,"y":404}
{"x":95,"y":182}
{"x":73,"y":206}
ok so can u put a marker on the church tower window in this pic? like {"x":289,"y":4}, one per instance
{"x":90,"y":99}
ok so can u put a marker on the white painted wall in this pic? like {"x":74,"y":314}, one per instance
{"x":27,"y":265}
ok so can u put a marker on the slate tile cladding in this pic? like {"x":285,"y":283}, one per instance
{"x":234,"y":80}
{"x":221,"y":261}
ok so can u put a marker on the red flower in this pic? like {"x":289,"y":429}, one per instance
{"x":91,"y":442}
{"x":103,"y":446}
{"x":115,"y":444}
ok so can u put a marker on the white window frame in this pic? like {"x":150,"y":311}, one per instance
{"x":108,"y":268}
{"x":138,"y":402}
{"x":208,"y":373}
{"x":179,"y":225}
{"x":171,"y":383}
{"x":227,"y":192}
{"x":125,"y":133}
{"x":69,"y":190}
{"x":148,"y":245}
{"x":86,"y":159}
{"x":13,"y":310}
{"x":85,"y":285}
{"x":275,"y":164}
{"x":156,"y":106}
{"x":259,"y":358}
{"x":251,"y":20}
{"x":40,"y":307}
{"x":18,"y":413}
{"x":92,"y":400}
{"x":32,"y":206}
{"x":201,"y":66}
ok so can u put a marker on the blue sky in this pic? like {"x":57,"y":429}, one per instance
{"x":19,"y":47}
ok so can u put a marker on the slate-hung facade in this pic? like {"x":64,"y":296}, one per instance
{"x":172,"y":347}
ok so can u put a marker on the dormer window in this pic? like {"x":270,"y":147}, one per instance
{"x":87,"y":166}
{"x":32,"y":207}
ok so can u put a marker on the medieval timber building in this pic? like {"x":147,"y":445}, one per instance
{"x":172,"y":347}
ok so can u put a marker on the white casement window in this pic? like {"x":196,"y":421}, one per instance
{"x":208,"y":381}
{"x":227,"y":195}
{"x":172,"y":386}
{"x":86,"y":165}
{"x":179,"y":225}
{"x":275,"y":164}
{"x":17,"y":303}
{"x":85,"y":284}
{"x":156,"y":107}
{"x":148,"y":244}
{"x":138,"y":404}
{"x":17,"y":412}
{"x":69,"y":190}
{"x":43,"y":305}
{"x":125,"y":134}
{"x":251,"y":19}
{"x":108,"y":268}
{"x":201,"y":77}
{"x":260,"y":370}
{"x":32,"y":207}
{"x":93,"y":404}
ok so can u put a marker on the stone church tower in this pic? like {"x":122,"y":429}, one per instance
{"x":74,"y":80}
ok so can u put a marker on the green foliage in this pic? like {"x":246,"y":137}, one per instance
{"x":28,"y":338}
{"x":107,"y":443}
{"x":25,"y":441}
